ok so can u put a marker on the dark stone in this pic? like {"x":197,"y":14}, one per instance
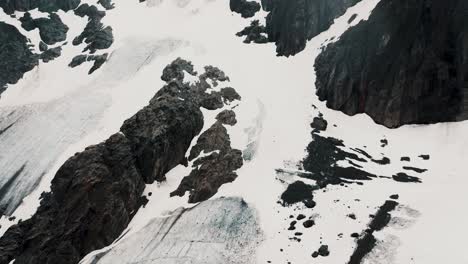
{"x":384,"y":142}
{"x":245,"y":8}
{"x":382,"y":161}
{"x":319,"y":124}
{"x":227,"y":117}
{"x":51,"y":30}
{"x":51,"y":54}
{"x":367,"y":242}
{"x":351,"y":19}
{"x":99,"y":60}
{"x":300,"y":217}
{"x":255,"y":33}
{"x":405,"y":159}
{"x":107,"y":4}
{"x":290,"y":24}
{"x":42,"y":46}
{"x":403,"y":177}
{"x":394,"y":196}
{"x":418,"y":170}
{"x":308,"y":223}
{"x":352,"y":216}
{"x":297,"y":192}
{"x":400,"y":74}
{"x":322,"y":251}
{"x":78,"y":60}
{"x":16,"y":58}
{"x":424,"y":157}
{"x":96,"y":35}
{"x":10,"y":6}
{"x":321,"y":161}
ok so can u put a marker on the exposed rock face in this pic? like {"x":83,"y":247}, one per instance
{"x":245,"y":8}
{"x":212,"y":171}
{"x":51,"y":30}
{"x":15,"y":56}
{"x":254,"y":33}
{"x":95,"y":193}
{"x":95,"y":34}
{"x":98,"y":60}
{"x":224,"y":230}
{"x":51,"y":54}
{"x":10,"y":6}
{"x":407,"y":64}
{"x":290,"y":24}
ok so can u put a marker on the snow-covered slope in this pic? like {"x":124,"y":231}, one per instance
{"x":55,"y":111}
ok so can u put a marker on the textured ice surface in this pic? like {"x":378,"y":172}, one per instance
{"x":224,"y":230}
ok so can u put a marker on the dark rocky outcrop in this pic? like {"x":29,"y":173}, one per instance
{"x":51,"y":54}
{"x":367,"y":240}
{"x":255,"y":33}
{"x":16,"y":58}
{"x":244,"y":7}
{"x":95,"y":34}
{"x":107,"y":4}
{"x":51,"y":30}
{"x":212,"y":171}
{"x":319,"y":124}
{"x":290,"y":24}
{"x":98,"y":60}
{"x":406,"y":65}
{"x":322,"y":251}
{"x":297,"y":192}
{"x":95,"y":193}
{"x":10,"y":6}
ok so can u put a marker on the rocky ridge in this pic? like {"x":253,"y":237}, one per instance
{"x":95,"y":193}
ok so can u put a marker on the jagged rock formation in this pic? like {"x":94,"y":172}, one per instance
{"x":290,"y":24}
{"x":97,"y":59}
{"x":245,"y":8}
{"x":223,"y":230}
{"x":51,"y":54}
{"x":255,"y":33}
{"x":51,"y":30}
{"x":95,"y":193}
{"x":95,"y":34}
{"x":16,"y":58}
{"x":212,"y":171}
{"x":10,"y":6}
{"x":406,"y":65}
